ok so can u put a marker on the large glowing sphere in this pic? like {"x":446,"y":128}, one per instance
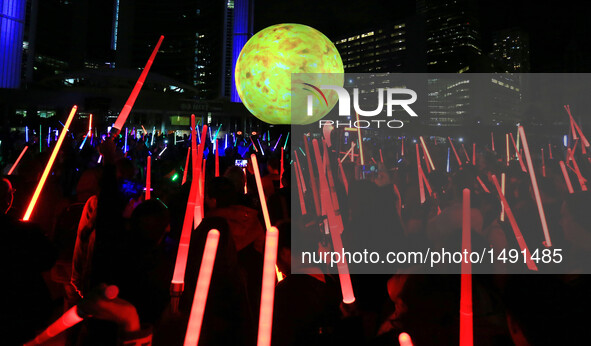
{"x":264,"y":74}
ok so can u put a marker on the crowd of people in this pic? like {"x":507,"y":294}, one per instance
{"x":93,"y":227}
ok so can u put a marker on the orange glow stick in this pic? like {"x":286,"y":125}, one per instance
{"x":18,"y":160}
{"x":503,"y":192}
{"x":312,"y":179}
{"x":473,"y":154}
{"x":245,"y":181}
{"x":426,"y":152}
{"x":492,"y":140}
{"x":534,"y":182}
{"x":569,"y":185}
{"x":268,"y":288}
{"x":202,"y":288}
{"x":186,"y":166}
{"x":52,"y":158}
{"x":404,"y":339}
{"x":402,"y":147}
{"x":148,"y":176}
{"x":217,"y":159}
{"x":281,"y":169}
{"x":335,"y":224}
{"x":90,"y":125}
{"x":419,"y":171}
{"x":466,"y":315}
{"x":300,"y":194}
{"x":455,"y":152}
{"x":482,"y":184}
{"x":360,"y":140}
{"x":136,"y":89}
{"x":178,"y":277}
{"x":531,"y":265}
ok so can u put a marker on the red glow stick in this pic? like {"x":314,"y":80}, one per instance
{"x":335,"y":224}
{"x":465,"y":153}
{"x":254,"y":145}
{"x":344,"y":178}
{"x":402,"y":148}
{"x":148,"y":176}
{"x":18,"y":160}
{"x":202,"y":288}
{"x":531,"y":265}
{"x":582,"y":181}
{"x":68,"y":319}
{"x":550,"y":150}
{"x":245,"y":181}
{"x":503,"y":192}
{"x":507,"y":147}
{"x":517,"y":152}
{"x":178,"y":277}
{"x":426,"y":152}
{"x":473,"y":154}
{"x":200,"y":177}
{"x":268,"y":288}
{"x":360,"y":139}
{"x":312,"y":179}
{"x":534,"y":183}
{"x":569,"y":185}
{"x":404,"y":339}
{"x":217,"y":159}
{"x":136,"y":89}
{"x":419,"y":171}
{"x":90,"y":124}
{"x":381,"y":157}
{"x":583,"y":138}
{"x":492,"y":140}
{"x":52,"y":158}
{"x":482,"y":184}
{"x":281,"y":169}
{"x":186,"y":166}
{"x":299,"y":171}
{"x":466,"y":315}
{"x":455,"y":152}
{"x":300,"y":194}
{"x":543,"y":164}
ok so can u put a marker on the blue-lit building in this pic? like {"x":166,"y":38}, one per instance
{"x":12,"y":29}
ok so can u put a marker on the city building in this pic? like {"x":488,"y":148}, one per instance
{"x":510,"y":48}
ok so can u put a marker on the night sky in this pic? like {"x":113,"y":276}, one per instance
{"x":560,"y":36}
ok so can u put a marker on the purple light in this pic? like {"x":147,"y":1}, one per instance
{"x":242,"y":32}
{"x":12,"y":24}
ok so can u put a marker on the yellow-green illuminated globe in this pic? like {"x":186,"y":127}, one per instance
{"x":264,"y":74}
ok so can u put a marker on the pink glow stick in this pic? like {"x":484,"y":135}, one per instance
{"x":534,"y":182}
{"x":268,"y":288}
{"x":381,"y":157}
{"x":482,"y":184}
{"x":466,"y":315}
{"x":550,"y":150}
{"x":136,"y":89}
{"x":52,"y":158}
{"x":217,"y":159}
{"x":465,"y":153}
{"x":17,"y":160}
{"x":281,"y":168}
{"x":582,"y":181}
{"x":531,"y":265}
{"x":583,"y":138}
{"x":473,"y":154}
{"x":202,"y":288}
{"x":543,"y":164}
{"x":569,"y":185}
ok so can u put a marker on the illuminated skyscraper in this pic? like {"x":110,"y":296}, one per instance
{"x":12,"y":27}
{"x":242,"y":23}
{"x":510,"y":48}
